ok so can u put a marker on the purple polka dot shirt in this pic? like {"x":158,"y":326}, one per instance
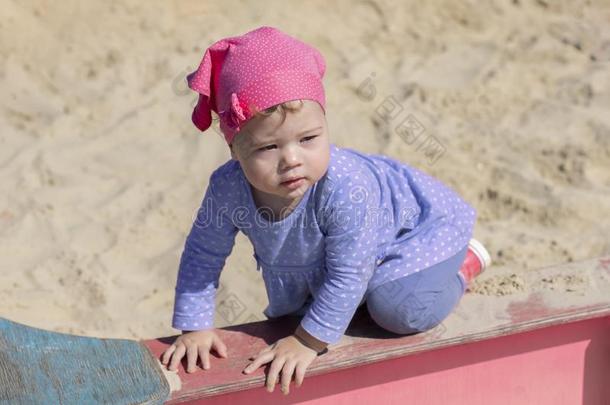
{"x":369,"y":220}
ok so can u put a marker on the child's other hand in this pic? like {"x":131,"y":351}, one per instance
{"x":288,"y":355}
{"x":194,"y":344}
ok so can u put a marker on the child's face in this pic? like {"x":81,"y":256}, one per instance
{"x":271,"y":152}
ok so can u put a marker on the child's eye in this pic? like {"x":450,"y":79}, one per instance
{"x":268,"y":147}
{"x":309,"y":138}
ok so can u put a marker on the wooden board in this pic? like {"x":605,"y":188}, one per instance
{"x":541,"y":299}
{"x":558,"y":312}
{"x":564,"y":364}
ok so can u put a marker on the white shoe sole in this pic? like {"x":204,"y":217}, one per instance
{"x":479,"y":250}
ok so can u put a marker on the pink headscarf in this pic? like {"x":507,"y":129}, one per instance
{"x":261,"y":68}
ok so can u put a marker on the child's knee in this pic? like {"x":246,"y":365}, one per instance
{"x":422,"y":323}
{"x":402,"y":319}
{"x":408,"y":317}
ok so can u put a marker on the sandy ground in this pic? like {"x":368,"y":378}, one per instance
{"x":101,"y":170}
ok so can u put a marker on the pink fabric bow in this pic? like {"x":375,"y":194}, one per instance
{"x":235,"y":115}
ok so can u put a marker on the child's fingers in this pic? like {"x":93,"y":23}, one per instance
{"x":167,"y":354}
{"x":220,"y":347}
{"x":260,"y":360}
{"x":300,"y":374}
{"x":177,"y":356}
{"x":287,"y":372}
{"x":204,"y":354}
{"x":191,"y":357}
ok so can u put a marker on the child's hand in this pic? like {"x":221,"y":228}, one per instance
{"x":287,"y":355}
{"x":193,"y":344}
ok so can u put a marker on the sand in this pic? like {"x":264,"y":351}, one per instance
{"x":101,"y":170}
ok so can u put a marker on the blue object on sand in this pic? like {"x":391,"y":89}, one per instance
{"x":43,"y":367}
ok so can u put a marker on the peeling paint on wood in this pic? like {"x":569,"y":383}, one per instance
{"x":43,"y":367}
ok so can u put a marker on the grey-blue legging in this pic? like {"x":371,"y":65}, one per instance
{"x":417,"y":302}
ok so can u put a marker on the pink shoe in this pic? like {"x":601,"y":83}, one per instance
{"x":476,"y":261}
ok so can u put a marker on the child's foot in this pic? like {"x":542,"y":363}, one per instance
{"x":476,"y":261}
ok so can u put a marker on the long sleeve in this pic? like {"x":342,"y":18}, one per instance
{"x":350,"y":227}
{"x":207,"y":246}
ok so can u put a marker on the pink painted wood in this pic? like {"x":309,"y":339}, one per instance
{"x":546,"y":343}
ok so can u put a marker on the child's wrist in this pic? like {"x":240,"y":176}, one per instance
{"x":311,"y":342}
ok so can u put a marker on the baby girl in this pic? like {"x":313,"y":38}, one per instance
{"x":332,"y":228}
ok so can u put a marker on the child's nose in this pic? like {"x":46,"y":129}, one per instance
{"x":290,"y":159}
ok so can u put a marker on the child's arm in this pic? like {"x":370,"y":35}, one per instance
{"x":207,"y":246}
{"x":350,"y":224}
{"x":351,"y":230}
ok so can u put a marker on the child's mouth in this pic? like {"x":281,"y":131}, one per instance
{"x":292,"y":184}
